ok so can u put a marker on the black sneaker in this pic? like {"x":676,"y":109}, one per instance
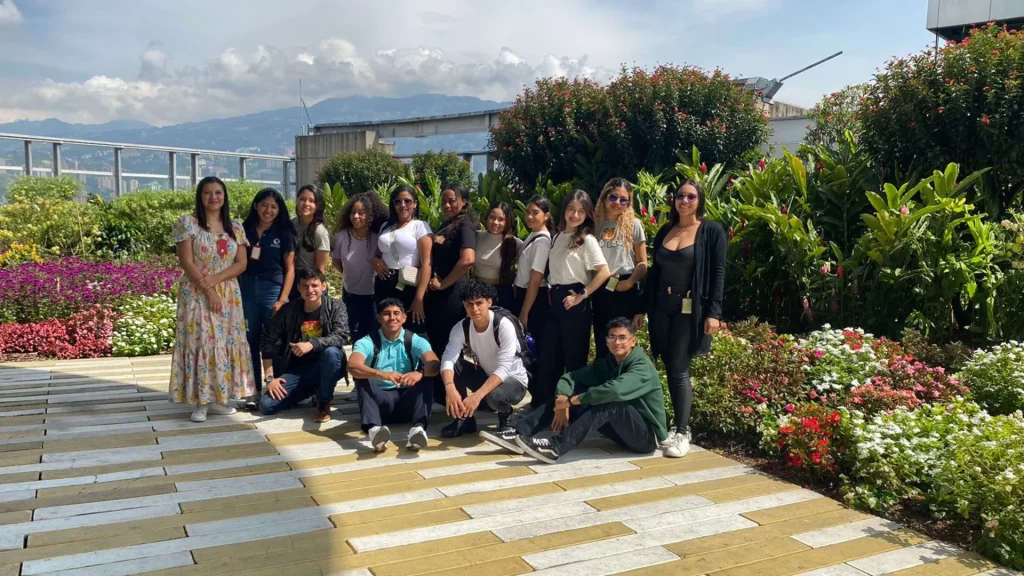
{"x":539,"y":448}
{"x":507,"y":419}
{"x":458,"y":427}
{"x":503,"y":438}
{"x":252,"y":403}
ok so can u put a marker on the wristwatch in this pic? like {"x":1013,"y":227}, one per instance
{"x":268,"y":379}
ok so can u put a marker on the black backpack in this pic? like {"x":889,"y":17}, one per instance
{"x":375,"y":338}
{"x":529,"y":362}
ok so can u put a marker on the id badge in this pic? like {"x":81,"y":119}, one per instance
{"x":255,"y":253}
{"x":687,"y":304}
{"x":612,"y":283}
{"x":401,"y":283}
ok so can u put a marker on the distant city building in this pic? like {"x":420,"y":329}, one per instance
{"x":953,"y":19}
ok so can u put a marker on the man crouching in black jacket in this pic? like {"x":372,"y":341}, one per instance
{"x":301,"y":349}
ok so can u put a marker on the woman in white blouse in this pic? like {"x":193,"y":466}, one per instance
{"x":530,"y":288}
{"x":576,"y":268}
{"x":403,"y":261}
{"x":496,"y":251}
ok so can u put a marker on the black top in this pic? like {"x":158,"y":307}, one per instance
{"x":310,"y":328}
{"x":676,"y":266}
{"x":708,"y":285}
{"x":287,"y":326}
{"x":448,"y":245}
{"x":274,"y":244}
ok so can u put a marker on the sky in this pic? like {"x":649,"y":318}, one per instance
{"x":172,"y":61}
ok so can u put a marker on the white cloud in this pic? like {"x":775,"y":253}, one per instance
{"x":9,"y":14}
{"x":234,"y":82}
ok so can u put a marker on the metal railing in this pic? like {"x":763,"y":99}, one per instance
{"x":118,"y":174}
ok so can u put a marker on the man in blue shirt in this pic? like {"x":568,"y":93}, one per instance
{"x":394,"y":371}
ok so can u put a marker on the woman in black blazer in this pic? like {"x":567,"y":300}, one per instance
{"x":683,"y":298}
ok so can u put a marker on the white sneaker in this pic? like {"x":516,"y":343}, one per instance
{"x":379,"y":437}
{"x":680,"y":446}
{"x":220,"y":409}
{"x":670,"y":440}
{"x":417,"y":438}
{"x":199,"y":414}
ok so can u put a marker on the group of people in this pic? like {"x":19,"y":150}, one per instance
{"x":470,"y":319}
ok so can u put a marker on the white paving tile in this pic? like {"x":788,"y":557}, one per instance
{"x":561,"y":474}
{"x":636,"y":542}
{"x":61,"y":390}
{"x":612,"y":564}
{"x":358,"y":572}
{"x":837,"y":570}
{"x":79,"y":480}
{"x":222,"y":465}
{"x":904,"y":558}
{"x":846,"y":532}
{"x":559,"y":498}
{"x":672,"y":518}
{"x":706,"y":475}
{"x":128,"y":567}
{"x":211,"y":440}
{"x":476,"y":467}
{"x":23,"y":494}
{"x":65,"y":422}
{"x":451,"y":529}
{"x":1000,"y":572}
{"x":21,"y":530}
{"x":101,"y":430}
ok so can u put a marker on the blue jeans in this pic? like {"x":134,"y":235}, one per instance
{"x":314,"y":379}
{"x":258,"y":298}
{"x":362,"y":314}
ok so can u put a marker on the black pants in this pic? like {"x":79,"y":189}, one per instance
{"x":443,"y":309}
{"x":501,"y":399}
{"x":537,"y":318}
{"x":672,"y":331}
{"x":609,"y":305}
{"x":618,"y":421}
{"x":566,"y":343}
{"x":384,"y":288}
{"x":396,"y":406}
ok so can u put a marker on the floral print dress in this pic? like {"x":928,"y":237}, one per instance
{"x":211,"y":363}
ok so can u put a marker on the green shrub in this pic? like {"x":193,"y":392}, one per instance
{"x":996,"y":377}
{"x":449,"y":167}
{"x":32,"y":188}
{"x":66,"y":227}
{"x":140,"y":223}
{"x":146,"y":326}
{"x":361,"y":171}
{"x":834,"y":116}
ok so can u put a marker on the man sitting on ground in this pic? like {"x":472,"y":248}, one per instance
{"x":398,"y":384}
{"x":619,"y":396}
{"x":302,"y":344}
{"x":484,"y":353}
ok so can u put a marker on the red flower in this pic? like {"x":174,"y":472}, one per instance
{"x":703,"y":168}
{"x":823,"y":442}
{"x":839,"y":271}
{"x":784,"y":209}
{"x":942,"y":109}
{"x":985,"y":120}
{"x":786,"y":430}
{"x":732,"y":233}
{"x":643,"y":210}
{"x":816,"y":458}
{"x":761,"y":164}
{"x":821,"y":167}
{"x":654,"y":220}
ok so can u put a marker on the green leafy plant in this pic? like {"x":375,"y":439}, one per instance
{"x":360,"y":171}
{"x":996,"y":377}
{"x":449,"y":167}
{"x":835,"y":116}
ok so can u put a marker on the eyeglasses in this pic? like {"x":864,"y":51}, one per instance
{"x":404,"y":202}
{"x":620,"y":200}
{"x":621,"y":338}
{"x":687,"y":197}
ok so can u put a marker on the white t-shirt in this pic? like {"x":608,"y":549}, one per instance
{"x":488,"y":255}
{"x":398,"y":247}
{"x":502,"y":362}
{"x":574,"y":266}
{"x":533,"y":257}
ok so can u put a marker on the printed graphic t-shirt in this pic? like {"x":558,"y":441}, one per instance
{"x":311,"y":328}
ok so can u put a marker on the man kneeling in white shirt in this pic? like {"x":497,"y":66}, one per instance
{"x":485,"y":353}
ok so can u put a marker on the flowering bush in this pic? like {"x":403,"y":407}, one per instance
{"x":19,"y":253}
{"x":146,"y":326}
{"x":38,"y":291}
{"x":805,"y":436}
{"x":906,"y":383}
{"x":997,"y":377}
{"x":85,"y":334}
{"x":839,"y":360}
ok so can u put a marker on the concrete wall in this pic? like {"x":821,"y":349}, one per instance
{"x":788,"y":133}
{"x":313,"y":151}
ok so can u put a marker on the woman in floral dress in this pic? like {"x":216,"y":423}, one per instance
{"x":211,"y":364}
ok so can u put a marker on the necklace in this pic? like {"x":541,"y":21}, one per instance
{"x":357,"y":236}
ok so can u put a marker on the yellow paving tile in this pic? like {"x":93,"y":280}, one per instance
{"x":19,"y":477}
{"x":503,"y":567}
{"x":722,"y":559}
{"x":20,"y":420}
{"x":827,"y":555}
{"x":790,"y":511}
{"x":196,"y":455}
{"x":656,"y":462}
{"x":10,"y":570}
{"x":632,"y":499}
{"x":478,"y":557}
{"x":411,"y":466}
{"x":157,"y":480}
{"x":51,"y":418}
{"x":20,"y":458}
{"x":136,"y":438}
{"x":739,"y":493}
{"x":325,"y":494}
{"x":347,"y":430}
{"x":84,"y":498}
{"x":673,"y":466}
{"x":119,"y":541}
{"x":23,"y":435}
{"x":13,"y":407}
{"x":27,"y":445}
{"x":247,"y":502}
{"x":963,"y":565}
{"x":15,"y":517}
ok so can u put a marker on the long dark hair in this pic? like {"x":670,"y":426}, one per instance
{"x":587,"y":226}
{"x":509,"y":247}
{"x":673,"y":218}
{"x":375,"y":209}
{"x":309,"y":237}
{"x":544,"y":204}
{"x":225,"y":210}
{"x":283,"y":220}
{"x":467,"y":216}
{"x":392,"y":213}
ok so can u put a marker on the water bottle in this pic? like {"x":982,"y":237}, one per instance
{"x":530,"y":343}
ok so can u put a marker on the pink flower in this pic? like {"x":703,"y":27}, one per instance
{"x":818,"y":353}
{"x":905,"y":211}
{"x":703,"y":168}
{"x":790,"y":408}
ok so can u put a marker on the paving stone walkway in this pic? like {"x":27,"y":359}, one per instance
{"x":99,"y":475}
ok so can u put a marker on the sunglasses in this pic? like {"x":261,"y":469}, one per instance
{"x":620,"y":200}
{"x":687,"y":197}
{"x":404,"y":202}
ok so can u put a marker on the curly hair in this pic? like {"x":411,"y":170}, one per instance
{"x":625,"y":222}
{"x":376,"y":212}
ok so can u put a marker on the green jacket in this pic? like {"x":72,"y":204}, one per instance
{"x":635,"y":381}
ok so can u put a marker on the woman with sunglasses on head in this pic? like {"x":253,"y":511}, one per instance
{"x":624,"y":245}
{"x":313,"y":245}
{"x":531,"y":289}
{"x":403,"y":260}
{"x":269,"y":274}
{"x":211,"y":364}
{"x":497,"y":250}
{"x":683,"y":296}
{"x":452,"y":256}
{"x":576,"y":269}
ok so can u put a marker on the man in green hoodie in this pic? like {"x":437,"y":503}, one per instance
{"x":619,"y":396}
